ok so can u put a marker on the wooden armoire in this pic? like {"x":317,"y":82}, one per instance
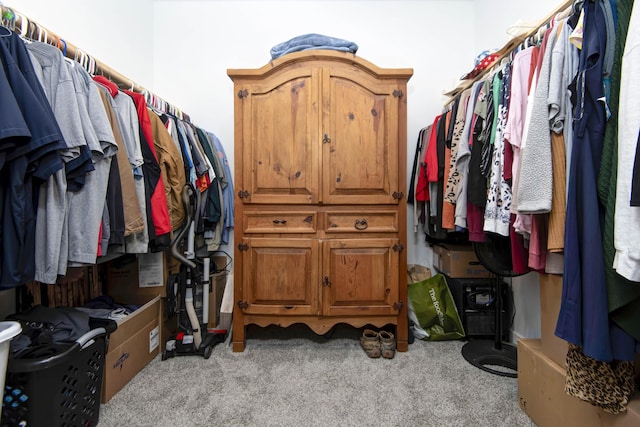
{"x":320,"y":204}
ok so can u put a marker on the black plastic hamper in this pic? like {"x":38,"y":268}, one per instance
{"x":59,"y":385}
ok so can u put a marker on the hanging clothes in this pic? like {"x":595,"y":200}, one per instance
{"x":627,"y":217}
{"x":564,"y":62}
{"x":497,"y":214}
{"x":72,"y":168}
{"x":86,"y":205}
{"x":447,"y":210}
{"x":158,"y":220}
{"x":453,"y":177}
{"x":32,"y":144}
{"x":464,"y":156}
{"x":535,"y":181}
{"x":129,"y":126}
{"x":477,"y":182}
{"x":436,"y":215}
{"x":171,"y":169}
{"x":227,"y":189}
{"x":133,"y":222}
{"x":418,"y":192}
{"x":583,"y":318}
{"x":614,"y":185}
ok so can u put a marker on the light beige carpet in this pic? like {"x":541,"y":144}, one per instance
{"x":292,"y":377}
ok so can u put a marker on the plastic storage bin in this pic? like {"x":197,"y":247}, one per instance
{"x":8,"y":330}
{"x":59,"y":385}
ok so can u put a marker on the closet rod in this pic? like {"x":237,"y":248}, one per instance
{"x":509,"y":47}
{"x":29,"y":29}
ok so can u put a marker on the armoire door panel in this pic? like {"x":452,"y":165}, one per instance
{"x":362,"y":277}
{"x":360,"y":162}
{"x":280,"y":276}
{"x":281,"y":122}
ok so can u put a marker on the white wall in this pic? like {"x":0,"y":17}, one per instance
{"x":118,"y":33}
{"x":494,"y":17}
{"x":181,"y":49}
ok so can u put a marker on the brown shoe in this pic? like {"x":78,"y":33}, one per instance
{"x":370,"y":342}
{"x":387,"y":344}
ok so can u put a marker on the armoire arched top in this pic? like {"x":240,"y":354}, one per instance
{"x":320,"y":56}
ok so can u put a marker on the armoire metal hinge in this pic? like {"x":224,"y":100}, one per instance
{"x":397,"y":93}
{"x":242,"y":304}
{"x":242,"y":247}
{"x":243,"y":93}
{"x":398,"y":247}
{"x":398,"y":305}
{"x":243,"y":194}
{"x":397,"y":195}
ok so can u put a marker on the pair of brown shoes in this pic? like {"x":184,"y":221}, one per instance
{"x":377,"y":344}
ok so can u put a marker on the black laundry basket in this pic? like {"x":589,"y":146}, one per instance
{"x":59,"y":388}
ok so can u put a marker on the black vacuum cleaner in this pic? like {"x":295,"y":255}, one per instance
{"x":188,"y":292}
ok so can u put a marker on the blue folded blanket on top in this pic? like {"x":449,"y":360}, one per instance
{"x":312,"y":41}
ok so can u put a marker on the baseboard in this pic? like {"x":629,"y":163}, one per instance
{"x":515,"y":337}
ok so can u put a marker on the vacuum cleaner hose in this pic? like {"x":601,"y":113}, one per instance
{"x":186,"y":194}
{"x":193,"y":318}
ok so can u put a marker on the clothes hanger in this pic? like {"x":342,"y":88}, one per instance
{"x":79,"y":57}
{"x":7,"y":18}
{"x":540,"y":34}
{"x":43,"y":35}
{"x":32,"y":31}
{"x":91,"y":65}
{"x":64,"y":48}
{"x":54,"y":41}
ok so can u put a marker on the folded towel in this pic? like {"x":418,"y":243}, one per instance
{"x":312,"y":41}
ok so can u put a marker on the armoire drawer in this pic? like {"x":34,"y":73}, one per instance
{"x":279,"y":222}
{"x":372,"y":222}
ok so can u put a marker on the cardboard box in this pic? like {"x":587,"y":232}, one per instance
{"x":550,"y":297}
{"x":218,"y":281}
{"x":217,"y":284}
{"x":132,"y":346}
{"x":458,"y":261}
{"x":143,"y":274}
{"x":541,"y":395}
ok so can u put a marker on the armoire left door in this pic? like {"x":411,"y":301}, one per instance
{"x":280,"y":117}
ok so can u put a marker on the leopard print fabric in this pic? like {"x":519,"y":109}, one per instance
{"x":606,"y":385}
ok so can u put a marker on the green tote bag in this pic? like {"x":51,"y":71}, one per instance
{"x":434,"y":309}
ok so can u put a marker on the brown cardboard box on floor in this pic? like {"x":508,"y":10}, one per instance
{"x":458,"y":262}
{"x":218,"y":281}
{"x":541,"y":395}
{"x":132,"y":346}
{"x":145,"y":274}
{"x":550,"y":296}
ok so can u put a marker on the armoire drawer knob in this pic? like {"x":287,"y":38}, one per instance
{"x":361,"y":224}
